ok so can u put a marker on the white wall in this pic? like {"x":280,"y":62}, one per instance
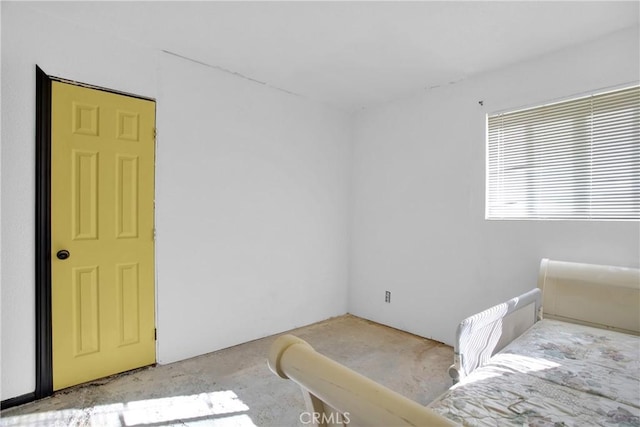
{"x":252,"y":213}
{"x":0,"y":202}
{"x":251,"y":185}
{"x":418,"y":183}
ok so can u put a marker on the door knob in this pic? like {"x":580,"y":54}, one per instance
{"x":63,"y":254}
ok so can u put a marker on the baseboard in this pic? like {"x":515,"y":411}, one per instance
{"x":18,"y":400}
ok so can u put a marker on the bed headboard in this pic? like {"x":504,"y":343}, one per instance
{"x":596,"y":295}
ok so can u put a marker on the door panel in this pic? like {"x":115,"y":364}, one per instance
{"x":102,"y":192}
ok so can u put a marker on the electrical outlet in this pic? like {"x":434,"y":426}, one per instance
{"x":387,"y":296}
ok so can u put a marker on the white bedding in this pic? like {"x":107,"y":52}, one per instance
{"x":555,"y":374}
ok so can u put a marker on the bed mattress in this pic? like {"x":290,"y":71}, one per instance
{"x":555,"y":374}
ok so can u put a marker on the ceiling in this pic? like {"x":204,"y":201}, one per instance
{"x":352,"y":54}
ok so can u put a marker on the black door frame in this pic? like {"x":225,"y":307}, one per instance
{"x":44,"y":355}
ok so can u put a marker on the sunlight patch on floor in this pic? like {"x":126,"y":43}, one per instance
{"x":219,"y":408}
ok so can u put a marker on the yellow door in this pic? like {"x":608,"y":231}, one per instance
{"x":102,"y":238}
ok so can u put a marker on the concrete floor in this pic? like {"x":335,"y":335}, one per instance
{"x":234,"y":387}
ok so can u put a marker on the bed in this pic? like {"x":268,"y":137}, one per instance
{"x":563,"y":354}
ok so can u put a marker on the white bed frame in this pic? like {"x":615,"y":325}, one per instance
{"x":335,"y":395}
{"x":601,"y":296}
{"x":595,"y":295}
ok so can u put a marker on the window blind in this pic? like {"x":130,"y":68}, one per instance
{"x":577,"y":159}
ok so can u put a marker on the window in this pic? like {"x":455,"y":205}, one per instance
{"x":577,"y":159}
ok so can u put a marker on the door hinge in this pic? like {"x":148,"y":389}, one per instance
{"x":155,"y":334}
{"x":155,"y":133}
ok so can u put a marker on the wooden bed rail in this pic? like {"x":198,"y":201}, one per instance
{"x":337,"y":396}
